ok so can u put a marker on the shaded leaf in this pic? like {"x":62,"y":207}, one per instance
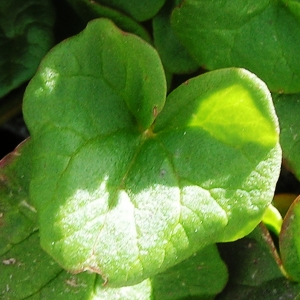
{"x":283,"y":202}
{"x":255,"y":269}
{"x":229,"y":34}
{"x":25,"y":269}
{"x":174,"y":55}
{"x":25,"y":37}
{"x":253,"y":259}
{"x":194,"y":277}
{"x":279,"y":288}
{"x":18,"y":218}
{"x":89,"y":10}
{"x":287,"y":108}
{"x":128,"y":198}
{"x":139,"y":10}
{"x":289,"y":241}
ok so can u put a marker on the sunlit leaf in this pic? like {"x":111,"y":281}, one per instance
{"x":126,"y":187}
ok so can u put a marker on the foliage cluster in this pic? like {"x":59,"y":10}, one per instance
{"x":157,"y":130}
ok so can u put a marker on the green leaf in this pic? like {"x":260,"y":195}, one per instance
{"x":254,"y":269}
{"x":289,"y":241}
{"x":25,"y":37}
{"x":294,"y":7}
{"x":174,"y":55}
{"x":141,"y":291}
{"x":194,"y":277}
{"x":273,"y":219}
{"x":139,"y":10}
{"x":229,"y":34}
{"x":18,"y":218}
{"x":25,"y":269}
{"x":125,"y":193}
{"x":287,"y":108}
{"x":65,"y":286}
{"x":214,"y":116}
{"x":279,"y":288}
{"x":89,"y":10}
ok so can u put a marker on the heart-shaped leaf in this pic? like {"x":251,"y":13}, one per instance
{"x":224,"y":34}
{"x":25,"y":37}
{"x":126,"y":191}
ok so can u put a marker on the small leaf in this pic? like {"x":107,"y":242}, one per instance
{"x":273,"y":219}
{"x":25,"y":37}
{"x":127,"y":190}
{"x":287,"y":108}
{"x":289,"y":241}
{"x":220,"y":35}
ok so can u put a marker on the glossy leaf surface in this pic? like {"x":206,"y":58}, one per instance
{"x":25,"y":37}
{"x":228,"y":34}
{"x":126,"y":190}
